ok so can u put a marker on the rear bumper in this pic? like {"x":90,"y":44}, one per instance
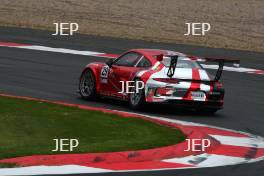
{"x":213,"y":100}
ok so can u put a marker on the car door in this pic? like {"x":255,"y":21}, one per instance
{"x":121,"y":71}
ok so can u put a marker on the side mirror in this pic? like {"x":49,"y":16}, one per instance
{"x":110,"y":62}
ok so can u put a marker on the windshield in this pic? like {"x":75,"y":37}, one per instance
{"x":181,"y":63}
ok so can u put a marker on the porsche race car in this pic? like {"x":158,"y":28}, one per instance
{"x":142,"y":76}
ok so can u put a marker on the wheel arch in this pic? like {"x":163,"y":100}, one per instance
{"x":95,"y":73}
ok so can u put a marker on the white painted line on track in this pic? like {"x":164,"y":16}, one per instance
{"x":208,"y":160}
{"x":59,"y":50}
{"x":191,"y":123}
{"x":36,"y":170}
{"x":105,"y":55}
{"x":239,"y":141}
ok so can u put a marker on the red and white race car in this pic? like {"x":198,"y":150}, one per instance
{"x":142,"y":76}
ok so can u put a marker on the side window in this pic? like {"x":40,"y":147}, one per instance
{"x":144,"y":63}
{"x":129,"y":59}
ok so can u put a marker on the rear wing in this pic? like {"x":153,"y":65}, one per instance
{"x":220,"y":62}
{"x":173,"y":64}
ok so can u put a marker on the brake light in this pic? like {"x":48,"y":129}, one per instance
{"x":167,"y":80}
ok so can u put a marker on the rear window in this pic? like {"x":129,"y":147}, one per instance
{"x":181,"y":63}
{"x":144,"y":62}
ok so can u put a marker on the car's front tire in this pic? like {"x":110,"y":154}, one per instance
{"x":136,"y":99}
{"x":87,"y":85}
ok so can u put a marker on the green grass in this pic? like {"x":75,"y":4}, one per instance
{"x":29,"y":127}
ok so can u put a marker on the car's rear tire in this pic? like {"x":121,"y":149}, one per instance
{"x":136,"y":100}
{"x":87,"y":85}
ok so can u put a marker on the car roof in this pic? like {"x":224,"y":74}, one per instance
{"x":153,"y":52}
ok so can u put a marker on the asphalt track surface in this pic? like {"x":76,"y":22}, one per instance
{"x":54,"y":76}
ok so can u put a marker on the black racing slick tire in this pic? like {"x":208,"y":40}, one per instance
{"x":136,"y":99}
{"x":87,"y":85}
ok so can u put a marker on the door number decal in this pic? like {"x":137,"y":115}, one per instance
{"x":104,"y":74}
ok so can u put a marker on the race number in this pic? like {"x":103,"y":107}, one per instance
{"x":104,"y":74}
